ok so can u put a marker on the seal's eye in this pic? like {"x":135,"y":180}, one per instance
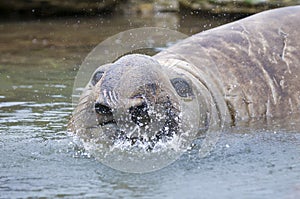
{"x":182,"y":87}
{"x":97,"y":76}
{"x":139,"y":114}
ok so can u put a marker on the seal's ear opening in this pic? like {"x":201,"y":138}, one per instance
{"x":182,"y":87}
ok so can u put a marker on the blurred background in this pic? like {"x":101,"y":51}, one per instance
{"x":15,"y":8}
{"x":55,"y":36}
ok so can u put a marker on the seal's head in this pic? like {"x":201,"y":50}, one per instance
{"x":136,"y":100}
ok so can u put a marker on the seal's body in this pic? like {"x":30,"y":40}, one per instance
{"x":252,"y":65}
{"x":243,"y":70}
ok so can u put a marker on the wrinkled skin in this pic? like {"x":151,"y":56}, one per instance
{"x":244,"y":70}
{"x":136,"y":99}
{"x":253,"y":64}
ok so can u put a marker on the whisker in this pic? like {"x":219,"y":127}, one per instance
{"x":115,"y":96}
{"x":111,"y":97}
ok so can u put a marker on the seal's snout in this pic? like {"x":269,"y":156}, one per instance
{"x":102,"y":109}
{"x":134,"y":99}
{"x":139,"y":114}
{"x":104,"y":113}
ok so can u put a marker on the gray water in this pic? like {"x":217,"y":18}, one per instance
{"x":38,"y":63}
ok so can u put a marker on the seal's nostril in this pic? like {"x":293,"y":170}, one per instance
{"x":139,"y":114}
{"x":102,"y":109}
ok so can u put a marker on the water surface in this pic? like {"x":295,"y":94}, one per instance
{"x":38,"y":63}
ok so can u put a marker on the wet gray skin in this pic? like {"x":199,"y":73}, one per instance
{"x":136,"y":99}
{"x":242,"y":71}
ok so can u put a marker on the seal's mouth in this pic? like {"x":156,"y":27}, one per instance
{"x":121,"y":137}
{"x":141,"y":125}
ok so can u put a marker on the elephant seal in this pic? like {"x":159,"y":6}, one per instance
{"x":244,"y":70}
